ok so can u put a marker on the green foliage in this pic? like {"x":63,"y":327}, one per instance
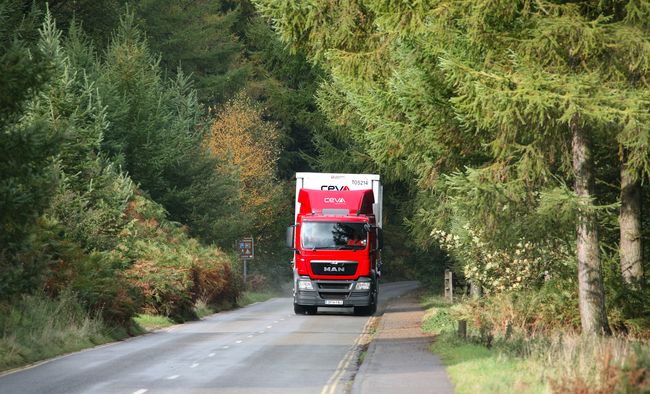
{"x":473,"y":104}
{"x":98,"y":19}
{"x":27,"y":147}
{"x":199,"y":37}
{"x":155,"y":133}
{"x":82,"y":231}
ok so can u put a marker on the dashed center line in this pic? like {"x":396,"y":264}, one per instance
{"x":173,"y":377}
{"x":269,"y":326}
{"x":211,"y":355}
{"x":141,"y":391}
{"x":239,"y":341}
{"x":250,"y":336}
{"x":225,"y":347}
{"x":194,"y":365}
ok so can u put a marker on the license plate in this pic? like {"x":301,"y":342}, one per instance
{"x":333,"y":302}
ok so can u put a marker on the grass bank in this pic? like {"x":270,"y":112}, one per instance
{"x":485,"y":362}
{"x":37,"y":327}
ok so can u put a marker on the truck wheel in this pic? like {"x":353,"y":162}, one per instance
{"x":362,"y":310}
{"x":375,"y":301}
{"x":373,"y":307}
{"x":299,"y":309}
{"x":304,"y":309}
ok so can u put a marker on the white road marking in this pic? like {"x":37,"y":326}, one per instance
{"x":282,"y":319}
{"x":225,"y":347}
{"x":275,"y":322}
{"x":269,"y":326}
{"x":141,"y":391}
{"x":240,"y":341}
{"x":250,"y":336}
{"x":211,"y":355}
{"x":173,"y":377}
{"x":194,"y":365}
{"x":261,"y":332}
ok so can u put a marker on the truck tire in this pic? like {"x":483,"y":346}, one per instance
{"x":367,"y":310}
{"x":304,"y":309}
{"x":373,"y":306}
{"x":363,"y":310}
{"x":375,"y":300}
{"x":298,"y":309}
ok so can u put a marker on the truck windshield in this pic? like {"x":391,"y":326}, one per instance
{"x":334,"y":235}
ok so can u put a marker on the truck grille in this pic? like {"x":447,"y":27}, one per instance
{"x":334,"y":268}
{"x":333,"y":296}
{"x":334,"y":286}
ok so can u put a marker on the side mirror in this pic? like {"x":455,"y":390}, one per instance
{"x":291,"y":236}
{"x":380,"y":238}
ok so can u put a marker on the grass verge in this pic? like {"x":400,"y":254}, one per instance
{"x":251,"y":297}
{"x":472,"y":367}
{"x":37,"y":327}
{"x":485,"y":362}
{"x":152,"y":322}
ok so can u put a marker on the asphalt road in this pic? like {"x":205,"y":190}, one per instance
{"x":262,"y":348}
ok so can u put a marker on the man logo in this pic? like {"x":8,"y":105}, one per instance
{"x":341,"y":188}
{"x":334,"y":269}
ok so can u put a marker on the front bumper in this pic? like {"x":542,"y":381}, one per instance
{"x":333,"y":293}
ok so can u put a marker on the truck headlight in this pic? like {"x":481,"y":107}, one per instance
{"x":305,"y":285}
{"x":363,"y":286}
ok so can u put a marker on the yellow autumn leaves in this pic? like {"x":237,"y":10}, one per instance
{"x":249,"y":145}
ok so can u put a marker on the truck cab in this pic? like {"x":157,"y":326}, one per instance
{"x":337,"y":243}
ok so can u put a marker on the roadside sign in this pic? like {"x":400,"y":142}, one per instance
{"x":247,"y":248}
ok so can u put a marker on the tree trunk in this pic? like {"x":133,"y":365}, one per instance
{"x":591,"y":294}
{"x":630,"y":221}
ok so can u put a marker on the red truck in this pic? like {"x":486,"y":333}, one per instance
{"x":337,"y":240}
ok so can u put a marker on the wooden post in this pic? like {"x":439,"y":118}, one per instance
{"x":475,"y":289}
{"x":449,"y":286}
{"x":245,"y":271}
{"x":462,"y":328}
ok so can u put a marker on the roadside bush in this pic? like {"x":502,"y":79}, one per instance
{"x":525,"y":313}
{"x":598,"y":366}
{"x":215,"y":281}
{"x":172,"y":270}
{"x":95,"y":278}
{"x":258,"y":282}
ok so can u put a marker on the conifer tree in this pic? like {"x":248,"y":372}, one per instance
{"x":522,"y":91}
{"x":155,"y":132}
{"x":27,"y":148}
{"x":200,"y":38}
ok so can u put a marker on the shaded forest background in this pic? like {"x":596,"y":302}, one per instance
{"x":140,"y":140}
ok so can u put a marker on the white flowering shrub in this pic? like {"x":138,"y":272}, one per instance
{"x":524,"y":265}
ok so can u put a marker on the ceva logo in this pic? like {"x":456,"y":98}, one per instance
{"x":334,"y":200}
{"x":341,"y":188}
